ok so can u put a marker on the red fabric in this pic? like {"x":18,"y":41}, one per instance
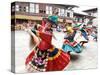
{"x":40,"y":28}
{"x":73,"y":43}
{"x":29,"y":58}
{"x":58,"y":63}
{"x":43,"y":23}
{"x":45,"y":42}
{"x":66,"y":41}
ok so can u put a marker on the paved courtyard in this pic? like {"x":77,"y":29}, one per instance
{"x":85,"y":60}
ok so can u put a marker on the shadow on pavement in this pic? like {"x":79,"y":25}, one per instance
{"x":74,"y":57}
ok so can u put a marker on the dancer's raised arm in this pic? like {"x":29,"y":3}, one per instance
{"x":35,"y":37}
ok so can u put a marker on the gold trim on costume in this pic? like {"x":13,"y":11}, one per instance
{"x":52,"y":49}
{"x":52,"y":58}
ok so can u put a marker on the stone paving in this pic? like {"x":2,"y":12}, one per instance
{"x":85,"y":60}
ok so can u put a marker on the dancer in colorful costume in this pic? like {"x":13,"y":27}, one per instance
{"x":46,"y":56}
{"x":70,"y":42}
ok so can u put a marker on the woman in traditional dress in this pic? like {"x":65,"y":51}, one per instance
{"x":46,"y":56}
{"x":70,"y":43}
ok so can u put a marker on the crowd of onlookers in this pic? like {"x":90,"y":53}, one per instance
{"x":60,"y":27}
{"x":25,"y":24}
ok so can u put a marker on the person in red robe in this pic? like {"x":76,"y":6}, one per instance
{"x":53,"y":59}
